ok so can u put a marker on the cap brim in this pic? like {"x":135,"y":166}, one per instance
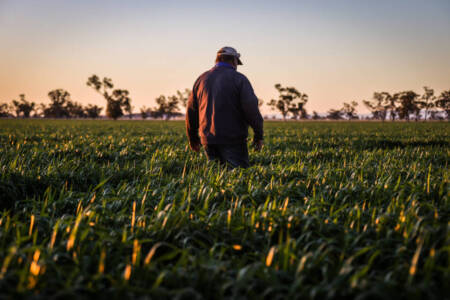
{"x":239,"y":61}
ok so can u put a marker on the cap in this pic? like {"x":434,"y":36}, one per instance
{"x":230,"y":51}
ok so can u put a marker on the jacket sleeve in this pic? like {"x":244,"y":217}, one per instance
{"x":192,"y":120}
{"x":249,"y":103}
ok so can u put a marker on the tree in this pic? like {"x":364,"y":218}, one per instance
{"x":443,"y":102}
{"x":427,"y":100}
{"x":435,"y":115}
{"x":407,"y":104}
{"x":349,"y":110}
{"x":92,"y":111}
{"x":168,"y":107}
{"x":379,"y":106}
{"x":290,"y":100}
{"x":58,"y":107}
{"x":116,"y":100}
{"x":144,"y":112}
{"x":23,"y":107}
{"x":4,"y":110}
{"x":391,"y":104}
{"x":183,"y":97}
{"x":75,"y":110}
{"x":335,"y":114}
{"x":315,"y":116}
{"x":129,"y":109}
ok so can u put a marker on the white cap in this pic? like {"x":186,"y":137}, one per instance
{"x":230,"y":51}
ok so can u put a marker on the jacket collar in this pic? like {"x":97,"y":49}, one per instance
{"x":224,"y":64}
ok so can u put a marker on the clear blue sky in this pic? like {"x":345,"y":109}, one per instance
{"x":334,"y":51}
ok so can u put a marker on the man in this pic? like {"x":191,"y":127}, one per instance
{"x":221,"y":107}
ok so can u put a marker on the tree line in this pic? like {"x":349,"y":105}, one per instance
{"x":406,"y":105}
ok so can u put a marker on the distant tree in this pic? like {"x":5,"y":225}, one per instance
{"x":75,"y":110}
{"x":129,"y":109}
{"x":23,"y":108}
{"x":407,"y":104}
{"x":427,"y":101}
{"x":335,"y":114}
{"x":289,"y":100}
{"x":379,"y":105}
{"x":155,"y":113}
{"x":116,"y":100}
{"x":183,"y":97}
{"x":443,"y":102}
{"x":167,"y":107}
{"x":315,"y":116}
{"x":92,"y":111}
{"x":391,"y":104}
{"x":349,"y":110}
{"x":435,"y":115}
{"x":58,"y":107}
{"x":4,"y":110}
{"x":144,"y":112}
{"x":39,"y":111}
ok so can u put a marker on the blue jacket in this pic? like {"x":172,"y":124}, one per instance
{"x":221,"y":107}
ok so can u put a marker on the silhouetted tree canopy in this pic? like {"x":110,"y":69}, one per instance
{"x":92,"y":111}
{"x":427,"y":101}
{"x":4,"y":110}
{"x":407,"y":104}
{"x":167,"y":107}
{"x":379,"y":105}
{"x":23,"y":108}
{"x":349,"y":110}
{"x":443,"y":102}
{"x":116,"y":100}
{"x":335,"y":114}
{"x":290,"y":100}
{"x":58,"y":106}
{"x":315,"y":116}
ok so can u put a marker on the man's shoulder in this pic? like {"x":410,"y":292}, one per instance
{"x":241,"y":76}
{"x":202,"y":77}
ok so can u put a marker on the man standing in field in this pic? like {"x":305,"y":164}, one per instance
{"x":221,"y":107}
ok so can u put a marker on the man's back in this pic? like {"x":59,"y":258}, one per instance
{"x":220,"y":108}
{"x":224,"y":103}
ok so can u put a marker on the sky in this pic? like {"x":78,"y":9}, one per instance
{"x":334,"y":51}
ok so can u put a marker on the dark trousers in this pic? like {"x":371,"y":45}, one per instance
{"x":235,"y":155}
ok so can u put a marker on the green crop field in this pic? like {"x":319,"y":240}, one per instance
{"x":124,"y":208}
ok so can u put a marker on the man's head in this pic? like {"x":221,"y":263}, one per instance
{"x":228,"y":55}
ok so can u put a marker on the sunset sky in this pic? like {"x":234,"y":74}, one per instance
{"x":334,"y":51}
